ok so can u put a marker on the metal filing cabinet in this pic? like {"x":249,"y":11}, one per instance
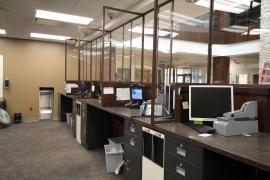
{"x":183,"y":160}
{"x":133,"y":150}
{"x":84,"y":125}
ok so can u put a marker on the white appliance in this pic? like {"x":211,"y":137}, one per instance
{"x":153,"y":155}
{"x":78,"y":121}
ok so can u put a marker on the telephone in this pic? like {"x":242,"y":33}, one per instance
{"x":145,"y":109}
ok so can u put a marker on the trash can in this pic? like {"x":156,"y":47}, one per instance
{"x":69,"y":118}
{"x":17,"y":118}
{"x":116,"y":140}
{"x":114,"y":156}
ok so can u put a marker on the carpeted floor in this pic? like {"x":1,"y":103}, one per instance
{"x":47,"y":150}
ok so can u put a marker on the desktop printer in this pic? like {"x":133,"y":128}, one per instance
{"x":243,"y":121}
{"x":145,"y":108}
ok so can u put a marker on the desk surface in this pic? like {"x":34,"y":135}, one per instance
{"x":253,"y":150}
{"x":120,"y":111}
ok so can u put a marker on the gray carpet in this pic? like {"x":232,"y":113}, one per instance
{"x":47,"y":150}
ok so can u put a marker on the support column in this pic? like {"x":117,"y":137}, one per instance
{"x":221,"y":70}
{"x":264,"y":61}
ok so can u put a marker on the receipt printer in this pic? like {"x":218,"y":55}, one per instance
{"x":243,"y":121}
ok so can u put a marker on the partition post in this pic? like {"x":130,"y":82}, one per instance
{"x":154,"y":62}
{"x":209,"y":62}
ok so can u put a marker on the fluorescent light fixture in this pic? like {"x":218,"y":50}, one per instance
{"x":236,"y":29}
{"x":168,"y":17}
{"x":49,"y":36}
{"x":185,"y":18}
{"x":2,"y":31}
{"x":150,"y":31}
{"x":232,"y":6}
{"x":257,"y":32}
{"x":62,"y":17}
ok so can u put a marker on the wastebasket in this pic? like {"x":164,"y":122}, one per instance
{"x":69,"y":118}
{"x":116,"y":140}
{"x":17,"y":118}
{"x":114,"y":156}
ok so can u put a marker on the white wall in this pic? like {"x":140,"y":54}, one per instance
{"x":1,"y":75}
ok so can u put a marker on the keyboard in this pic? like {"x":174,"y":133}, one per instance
{"x":201,"y":128}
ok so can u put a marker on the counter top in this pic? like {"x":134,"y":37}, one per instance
{"x":120,"y":111}
{"x":253,"y":150}
{"x":72,"y":96}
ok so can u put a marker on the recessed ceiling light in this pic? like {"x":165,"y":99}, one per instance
{"x":49,"y":36}
{"x":2,"y":31}
{"x":62,"y":17}
{"x":150,"y":31}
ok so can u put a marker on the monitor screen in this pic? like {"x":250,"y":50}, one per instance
{"x":206,"y":103}
{"x":136,"y":94}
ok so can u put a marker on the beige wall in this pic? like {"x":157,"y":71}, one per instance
{"x":30,"y":65}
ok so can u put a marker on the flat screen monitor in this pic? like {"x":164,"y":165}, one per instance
{"x":206,"y":103}
{"x":136,"y":93}
{"x":84,"y":86}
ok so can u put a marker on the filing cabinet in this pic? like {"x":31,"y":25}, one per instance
{"x":183,"y":160}
{"x":134,"y":141}
{"x":184,"y":150}
{"x":84,"y":125}
{"x":132,"y":164}
{"x":133,"y":128}
{"x":132,"y":150}
{"x":182,"y":169}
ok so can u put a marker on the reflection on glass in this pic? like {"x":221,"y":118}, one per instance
{"x":127,"y":53}
{"x":237,"y":36}
{"x":117,"y":44}
{"x":98,"y":60}
{"x":106,"y":65}
{"x":94,"y":59}
{"x":136,"y":51}
{"x":148,"y":47}
{"x":72,"y":61}
{"x":190,"y":32}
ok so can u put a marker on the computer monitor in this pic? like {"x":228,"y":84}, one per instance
{"x":83,"y":86}
{"x":136,"y":93}
{"x":206,"y":103}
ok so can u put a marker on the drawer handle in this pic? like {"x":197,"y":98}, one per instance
{"x":180,"y":170}
{"x":132,"y":142}
{"x":132,"y":128}
{"x":181,"y":151}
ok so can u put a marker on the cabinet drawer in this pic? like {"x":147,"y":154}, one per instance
{"x":133,"y":128}
{"x":171,"y":176}
{"x":184,"y":150}
{"x":133,"y":141}
{"x":132,"y":164}
{"x":182,"y":169}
